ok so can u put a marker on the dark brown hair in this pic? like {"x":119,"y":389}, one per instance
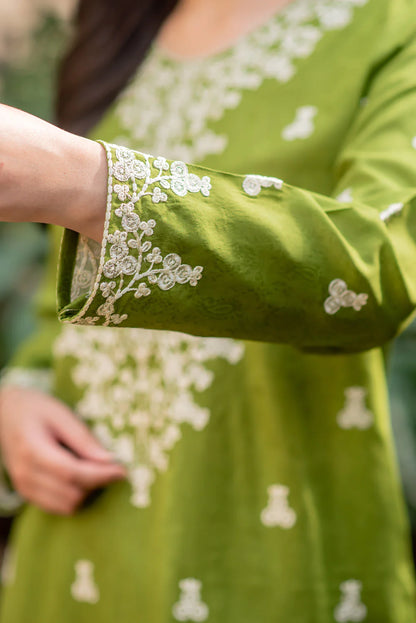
{"x":110,"y":40}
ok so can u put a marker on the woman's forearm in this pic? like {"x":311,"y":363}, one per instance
{"x":48,"y":175}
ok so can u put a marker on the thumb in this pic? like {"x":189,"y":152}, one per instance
{"x":69,"y":430}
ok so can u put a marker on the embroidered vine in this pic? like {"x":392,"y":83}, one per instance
{"x":154,"y":111}
{"x":340,"y":296}
{"x":138,"y":388}
{"x":252,"y":184}
{"x":134,"y":265}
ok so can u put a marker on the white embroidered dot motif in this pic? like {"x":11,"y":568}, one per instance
{"x":394,"y":208}
{"x":345,"y":196}
{"x":340,"y":297}
{"x":354,"y":414}
{"x":350,"y":609}
{"x":84,"y":588}
{"x":190,"y":607}
{"x":278,"y":511}
{"x":252,"y":184}
{"x":303,"y":126}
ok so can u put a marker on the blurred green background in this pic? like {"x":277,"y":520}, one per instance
{"x":27,"y":81}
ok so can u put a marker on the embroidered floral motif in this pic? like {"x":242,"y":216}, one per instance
{"x":252,"y":184}
{"x":137,"y":388}
{"x":84,"y":587}
{"x":278,"y":511}
{"x":393,"y":209}
{"x":87,"y":261}
{"x":350,"y":609}
{"x":133,"y":266}
{"x":190,"y":607}
{"x":156,"y":113}
{"x":303,"y":126}
{"x":345,"y":196}
{"x":355,"y":414}
{"x":340,"y":296}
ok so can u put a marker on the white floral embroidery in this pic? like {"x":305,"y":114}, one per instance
{"x":86,"y":266}
{"x":190,"y":607}
{"x":84,"y":587}
{"x":303,"y":126}
{"x":345,"y":196}
{"x":8,"y":566}
{"x":354,"y":414}
{"x":138,"y":388}
{"x":278,"y":511}
{"x":393,"y":209}
{"x":350,"y":609}
{"x":340,"y":296}
{"x":154,"y":111}
{"x":133,"y":267}
{"x":252,"y":184}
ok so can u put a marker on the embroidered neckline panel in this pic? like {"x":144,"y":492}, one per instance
{"x":216,"y":84}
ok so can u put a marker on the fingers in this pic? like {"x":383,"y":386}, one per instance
{"x":33,"y":427}
{"x":76,"y":435}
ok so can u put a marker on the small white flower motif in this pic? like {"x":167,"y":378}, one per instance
{"x":303,"y":126}
{"x":161,"y":163}
{"x":122,"y":191}
{"x":84,"y":588}
{"x":190,"y":607}
{"x":394,"y":208}
{"x":340,"y":296}
{"x":354,"y":414}
{"x":350,"y":608}
{"x":345,"y":196}
{"x":252,"y":184}
{"x":142,"y":290}
{"x":155,"y":257}
{"x":107,"y":288}
{"x":158,"y":195}
{"x":278,"y":511}
{"x":141,"y":479}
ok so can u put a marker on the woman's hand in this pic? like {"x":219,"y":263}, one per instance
{"x":53,"y":459}
{"x":48,"y":175}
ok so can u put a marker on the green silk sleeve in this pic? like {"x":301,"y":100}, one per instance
{"x":212,"y":253}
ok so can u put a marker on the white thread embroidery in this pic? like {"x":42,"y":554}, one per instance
{"x":252,"y":184}
{"x":190,"y":607}
{"x":86,"y":267}
{"x":138,"y":388}
{"x":134,"y":266}
{"x":393,"y":209}
{"x":155,"y":113}
{"x":350,"y":609}
{"x":303,"y":126}
{"x":278,"y":511}
{"x":84,"y":588}
{"x":354,"y":414}
{"x":345,"y":196}
{"x":340,"y":296}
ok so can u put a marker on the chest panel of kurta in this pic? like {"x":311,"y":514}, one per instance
{"x":139,"y":389}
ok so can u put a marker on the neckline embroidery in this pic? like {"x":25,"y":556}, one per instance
{"x":154,"y":111}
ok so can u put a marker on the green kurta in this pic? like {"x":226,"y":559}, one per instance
{"x":262,"y":482}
